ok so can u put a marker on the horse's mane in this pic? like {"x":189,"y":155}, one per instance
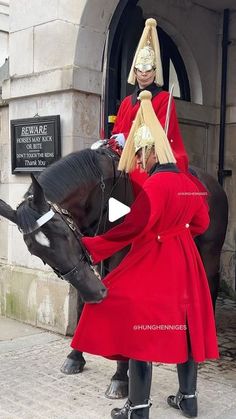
{"x":62,"y":178}
{"x":79,"y":168}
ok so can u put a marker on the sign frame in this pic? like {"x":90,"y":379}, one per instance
{"x":43,"y":121}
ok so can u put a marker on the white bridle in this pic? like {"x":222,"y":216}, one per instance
{"x":45,"y":218}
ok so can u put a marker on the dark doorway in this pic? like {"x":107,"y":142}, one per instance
{"x":124,"y":33}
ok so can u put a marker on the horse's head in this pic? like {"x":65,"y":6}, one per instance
{"x":50,"y":235}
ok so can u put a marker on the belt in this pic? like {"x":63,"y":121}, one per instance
{"x":172,"y":232}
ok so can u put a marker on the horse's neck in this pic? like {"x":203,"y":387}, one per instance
{"x":87,"y":204}
{"x":84,"y":204}
{"x":89,"y":208}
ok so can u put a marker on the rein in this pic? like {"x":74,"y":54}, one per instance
{"x":103,"y":207}
{"x":103,"y":187}
{"x":66,"y":217}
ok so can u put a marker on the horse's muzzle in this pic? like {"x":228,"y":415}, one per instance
{"x":89,"y":286}
{"x":102,"y":293}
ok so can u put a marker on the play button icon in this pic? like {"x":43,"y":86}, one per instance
{"x":116,"y":209}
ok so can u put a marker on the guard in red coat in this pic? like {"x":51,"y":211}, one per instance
{"x":158,"y":306}
{"x":128,"y":110}
{"x":146,"y":73}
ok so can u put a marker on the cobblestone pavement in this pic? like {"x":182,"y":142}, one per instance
{"x":32,"y":386}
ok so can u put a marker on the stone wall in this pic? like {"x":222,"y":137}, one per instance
{"x":4,"y":31}
{"x":37,"y":297}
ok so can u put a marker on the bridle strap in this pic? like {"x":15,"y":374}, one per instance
{"x":102,"y":186}
{"x":66,"y":217}
{"x":104,"y":205}
{"x":45,"y":218}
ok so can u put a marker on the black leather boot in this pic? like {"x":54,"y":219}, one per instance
{"x":186,"y":397}
{"x":138,"y":403}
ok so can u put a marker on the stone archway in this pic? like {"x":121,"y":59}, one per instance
{"x":93,"y":22}
{"x":189,"y":60}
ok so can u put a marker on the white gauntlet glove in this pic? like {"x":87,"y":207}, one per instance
{"x":119,"y":138}
{"x":98,"y":144}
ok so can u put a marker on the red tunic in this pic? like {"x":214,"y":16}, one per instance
{"x":159,"y":287}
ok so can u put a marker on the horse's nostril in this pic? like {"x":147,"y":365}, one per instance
{"x":104,"y":292}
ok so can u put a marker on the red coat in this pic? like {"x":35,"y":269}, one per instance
{"x":160,"y":284}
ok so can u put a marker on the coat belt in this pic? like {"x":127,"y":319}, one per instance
{"x":172,"y":232}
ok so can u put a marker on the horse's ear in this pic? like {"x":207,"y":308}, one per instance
{"x":38,"y":194}
{"x":7,"y":212}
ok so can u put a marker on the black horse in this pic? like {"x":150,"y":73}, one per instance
{"x":82,"y":184}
